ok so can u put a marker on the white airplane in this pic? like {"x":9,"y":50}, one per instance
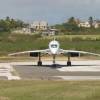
{"x":54,"y":49}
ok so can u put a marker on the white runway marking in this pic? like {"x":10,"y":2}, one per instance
{"x":79,"y":77}
{"x":91,"y":66}
{"x":81,"y":68}
{"x":6,"y":71}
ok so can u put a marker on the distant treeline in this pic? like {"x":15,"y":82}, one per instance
{"x":9,"y":24}
{"x":71,"y":27}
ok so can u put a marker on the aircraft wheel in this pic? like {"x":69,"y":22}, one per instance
{"x":69,"y":63}
{"x":54,"y":65}
{"x":39,"y":63}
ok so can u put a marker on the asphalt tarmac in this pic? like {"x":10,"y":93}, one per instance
{"x":80,"y":70}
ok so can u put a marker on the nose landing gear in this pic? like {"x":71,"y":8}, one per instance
{"x":69,"y":60}
{"x":54,"y":63}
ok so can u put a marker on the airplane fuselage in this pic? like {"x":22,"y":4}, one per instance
{"x":54,"y":47}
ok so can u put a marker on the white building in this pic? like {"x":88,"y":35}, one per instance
{"x":96,"y":24}
{"x":84,"y":24}
{"x":50,"y":32}
{"x":39,"y":25}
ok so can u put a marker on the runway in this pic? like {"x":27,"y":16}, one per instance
{"x":80,"y":70}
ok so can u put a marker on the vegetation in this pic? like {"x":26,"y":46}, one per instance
{"x":70,"y":27}
{"x":10,"y":42}
{"x":49,"y":90}
{"x":91,"y":21}
{"x":9,"y":24}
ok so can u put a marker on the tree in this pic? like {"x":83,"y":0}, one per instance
{"x":72,"y":21}
{"x":13,"y":23}
{"x":7,"y":19}
{"x":71,"y":25}
{"x":4,"y":25}
{"x":91,"y":21}
{"x":9,"y":24}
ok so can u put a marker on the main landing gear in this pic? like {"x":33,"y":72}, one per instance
{"x":69,"y":60}
{"x":39,"y":63}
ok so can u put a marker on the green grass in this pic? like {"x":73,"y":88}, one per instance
{"x":10,"y":43}
{"x":50,"y":90}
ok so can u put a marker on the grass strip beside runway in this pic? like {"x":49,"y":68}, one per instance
{"x":49,"y":90}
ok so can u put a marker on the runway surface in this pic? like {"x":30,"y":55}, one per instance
{"x":80,"y":70}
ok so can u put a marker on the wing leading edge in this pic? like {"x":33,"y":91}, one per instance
{"x":33,"y":51}
{"x":82,"y":52}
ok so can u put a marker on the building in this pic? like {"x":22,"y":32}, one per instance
{"x":50,"y":32}
{"x":23,"y":31}
{"x":39,"y":25}
{"x":84,"y":24}
{"x":96,"y":24}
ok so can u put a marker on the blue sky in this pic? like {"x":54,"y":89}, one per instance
{"x":53,"y":11}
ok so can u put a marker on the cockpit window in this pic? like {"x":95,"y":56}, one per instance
{"x":53,"y":46}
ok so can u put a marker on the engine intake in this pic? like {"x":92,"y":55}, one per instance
{"x":34,"y":54}
{"x":73,"y":54}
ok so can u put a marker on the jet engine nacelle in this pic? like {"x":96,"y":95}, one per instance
{"x":74,"y":54}
{"x":34,"y":54}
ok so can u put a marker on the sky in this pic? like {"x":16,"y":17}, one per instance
{"x":52,"y":11}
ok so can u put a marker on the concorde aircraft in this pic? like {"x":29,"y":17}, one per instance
{"x":54,"y":49}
